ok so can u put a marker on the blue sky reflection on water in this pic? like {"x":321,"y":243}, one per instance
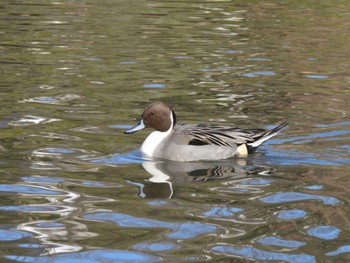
{"x":324,"y":232}
{"x":91,"y":256}
{"x":156,"y":247}
{"x":291,"y":214}
{"x":120,"y":159}
{"x":286,"y":197}
{"x":12,"y":235}
{"x":340,"y":250}
{"x":258,"y":254}
{"x":25,"y":189}
{"x":279,"y":242}
{"x":181,"y":231}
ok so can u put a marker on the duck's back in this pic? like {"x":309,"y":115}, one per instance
{"x":190,"y":142}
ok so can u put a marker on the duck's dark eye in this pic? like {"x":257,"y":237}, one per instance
{"x":152,"y":113}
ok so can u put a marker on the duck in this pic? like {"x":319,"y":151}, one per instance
{"x":195,"y":142}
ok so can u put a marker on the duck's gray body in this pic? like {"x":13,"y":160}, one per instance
{"x":188,"y":142}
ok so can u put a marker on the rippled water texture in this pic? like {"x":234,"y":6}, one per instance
{"x":76,"y":74}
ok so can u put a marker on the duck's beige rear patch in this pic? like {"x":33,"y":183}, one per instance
{"x":242,"y":150}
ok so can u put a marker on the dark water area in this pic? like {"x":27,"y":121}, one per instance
{"x":76,"y":74}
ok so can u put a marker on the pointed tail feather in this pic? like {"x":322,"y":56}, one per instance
{"x":265,"y":136}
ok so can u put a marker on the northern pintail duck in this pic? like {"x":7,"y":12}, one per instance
{"x":189,"y":142}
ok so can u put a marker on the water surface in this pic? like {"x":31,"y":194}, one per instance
{"x":74,"y":75}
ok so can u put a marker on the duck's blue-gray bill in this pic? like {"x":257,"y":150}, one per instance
{"x":136,"y":128}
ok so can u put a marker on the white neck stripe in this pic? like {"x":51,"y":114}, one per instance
{"x":155,"y":138}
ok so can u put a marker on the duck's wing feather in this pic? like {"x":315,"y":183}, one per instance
{"x":200,"y":135}
{"x":225,"y":136}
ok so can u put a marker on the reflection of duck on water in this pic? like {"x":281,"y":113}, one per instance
{"x":167,"y":173}
{"x":158,"y":186}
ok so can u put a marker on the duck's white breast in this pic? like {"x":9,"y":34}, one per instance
{"x":153,"y":141}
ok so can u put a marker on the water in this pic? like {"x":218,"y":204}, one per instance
{"x":74,"y":75}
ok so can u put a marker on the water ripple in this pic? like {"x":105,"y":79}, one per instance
{"x":222,"y":212}
{"x":297,"y":139}
{"x":314,"y":76}
{"x":314,"y":187}
{"x":156,"y":247}
{"x":60,"y":152}
{"x":259,"y":73}
{"x":38,"y":209}
{"x":343,"y":123}
{"x":258,"y":254}
{"x":119,"y":159}
{"x":154,"y":85}
{"x":324,"y":232}
{"x":180,"y":230}
{"x":92,"y":256}
{"x":26,"y":189}
{"x":32,"y":120}
{"x":42,"y":179}
{"x":56,"y":100}
{"x":257,"y":182}
{"x":291,"y":214}
{"x":340,"y":250}
{"x":287,"y":197}
{"x":279,"y":242}
{"x":11,"y":235}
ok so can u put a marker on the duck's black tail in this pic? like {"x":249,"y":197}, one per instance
{"x":264,"y":136}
